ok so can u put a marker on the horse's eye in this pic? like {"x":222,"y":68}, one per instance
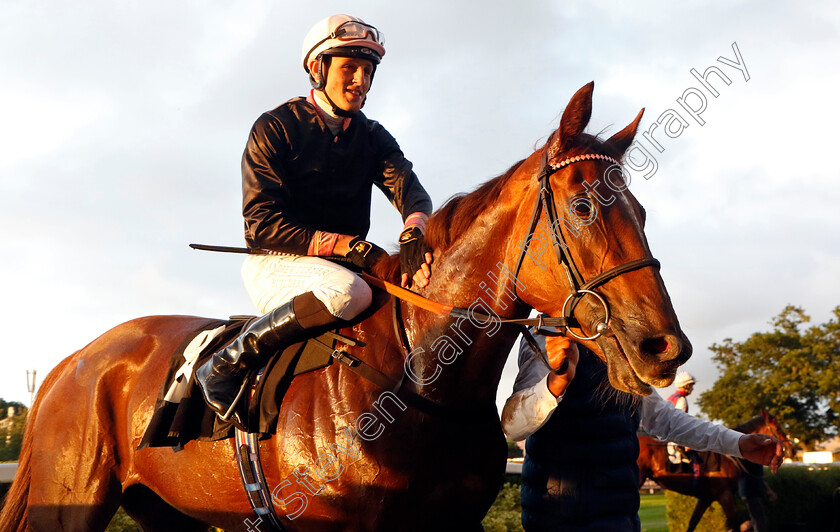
{"x":583,"y":208}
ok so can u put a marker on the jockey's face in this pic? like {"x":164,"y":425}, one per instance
{"x":348,"y":81}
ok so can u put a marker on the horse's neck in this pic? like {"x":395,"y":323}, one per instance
{"x":475,"y":272}
{"x":752,"y":426}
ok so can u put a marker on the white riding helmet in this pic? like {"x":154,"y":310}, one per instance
{"x":684,"y":378}
{"x":342,"y":35}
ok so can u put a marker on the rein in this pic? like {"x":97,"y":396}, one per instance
{"x":460,"y":312}
{"x":580,"y":287}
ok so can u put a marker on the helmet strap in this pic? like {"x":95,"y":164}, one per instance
{"x":338,"y":111}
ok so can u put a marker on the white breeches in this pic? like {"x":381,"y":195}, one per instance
{"x":272,"y":280}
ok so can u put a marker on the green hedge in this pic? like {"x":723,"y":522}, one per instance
{"x":505,"y":514}
{"x":805,"y":498}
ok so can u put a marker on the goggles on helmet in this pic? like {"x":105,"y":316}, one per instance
{"x":351,"y":30}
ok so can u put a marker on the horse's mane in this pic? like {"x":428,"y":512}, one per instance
{"x":748,"y":427}
{"x":459,"y":211}
{"x":452,"y":220}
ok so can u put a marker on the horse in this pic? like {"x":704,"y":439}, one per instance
{"x":349,"y":455}
{"x":711,"y":486}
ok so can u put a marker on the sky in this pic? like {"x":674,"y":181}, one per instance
{"x":122,"y":125}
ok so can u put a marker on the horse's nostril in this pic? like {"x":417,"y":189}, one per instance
{"x":655,"y":346}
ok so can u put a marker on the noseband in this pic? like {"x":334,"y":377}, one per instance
{"x":580,"y":287}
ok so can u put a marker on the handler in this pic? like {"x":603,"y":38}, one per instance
{"x":580,"y":472}
{"x":307,"y":173}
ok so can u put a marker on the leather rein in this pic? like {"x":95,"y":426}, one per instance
{"x":580,"y":287}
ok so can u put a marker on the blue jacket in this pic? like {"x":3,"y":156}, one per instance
{"x":580,"y":471}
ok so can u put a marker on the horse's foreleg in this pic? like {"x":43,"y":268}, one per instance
{"x":152,"y":513}
{"x":727,"y":504}
{"x":699,"y":509}
{"x":58,"y":503}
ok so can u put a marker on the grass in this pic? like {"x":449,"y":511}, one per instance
{"x":652,"y":513}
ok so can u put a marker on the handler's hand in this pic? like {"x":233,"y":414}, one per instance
{"x":561,"y":352}
{"x":762,"y":449}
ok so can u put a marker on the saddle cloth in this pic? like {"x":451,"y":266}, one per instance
{"x":182,"y":415}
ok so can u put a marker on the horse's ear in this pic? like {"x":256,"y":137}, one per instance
{"x":624,"y":138}
{"x":575,"y":117}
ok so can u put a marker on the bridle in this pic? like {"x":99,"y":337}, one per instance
{"x":580,"y":287}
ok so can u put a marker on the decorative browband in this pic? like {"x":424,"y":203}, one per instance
{"x":585,"y":157}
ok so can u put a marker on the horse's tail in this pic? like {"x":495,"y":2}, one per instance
{"x":14,"y":515}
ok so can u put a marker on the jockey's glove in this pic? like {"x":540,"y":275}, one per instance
{"x":364,"y":254}
{"x":413,"y":251}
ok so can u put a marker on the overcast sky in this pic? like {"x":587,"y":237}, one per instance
{"x":122,"y":125}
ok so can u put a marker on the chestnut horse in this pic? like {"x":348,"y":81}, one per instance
{"x":711,"y":486}
{"x":350,"y":456}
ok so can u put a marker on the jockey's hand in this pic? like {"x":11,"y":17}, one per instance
{"x":415,"y":258}
{"x":563,"y":354}
{"x":364,"y":254}
{"x":762,"y":449}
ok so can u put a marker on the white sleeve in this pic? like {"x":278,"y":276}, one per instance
{"x":681,"y":404}
{"x":531,"y":403}
{"x":661,"y":419}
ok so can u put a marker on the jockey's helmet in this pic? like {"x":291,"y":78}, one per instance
{"x":340,"y":35}
{"x":683,"y":379}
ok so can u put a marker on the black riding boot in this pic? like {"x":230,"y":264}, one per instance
{"x":220,"y":377}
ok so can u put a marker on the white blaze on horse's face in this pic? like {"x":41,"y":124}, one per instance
{"x":599,"y":225}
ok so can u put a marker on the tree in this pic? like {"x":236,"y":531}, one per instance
{"x":792,"y":373}
{"x":11,"y":430}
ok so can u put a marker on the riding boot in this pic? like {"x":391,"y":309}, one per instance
{"x":220,"y":377}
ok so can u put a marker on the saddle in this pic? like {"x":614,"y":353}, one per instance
{"x":182,"y":415}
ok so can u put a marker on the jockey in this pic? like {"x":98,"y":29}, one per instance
{"x":685,"y":385}
{"x":307,"y":173}
{"x":684,"y":382}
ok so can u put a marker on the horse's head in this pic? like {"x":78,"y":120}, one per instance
{"x":585,"y":254}
{"x":774,"y":428}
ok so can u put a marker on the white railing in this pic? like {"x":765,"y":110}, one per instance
{"x":7,"y":472}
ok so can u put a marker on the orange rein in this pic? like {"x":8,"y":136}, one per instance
{"x":408,"y":296}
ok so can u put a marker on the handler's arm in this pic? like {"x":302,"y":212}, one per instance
{"x":537,"y":391}
{"x":661,"y":419}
